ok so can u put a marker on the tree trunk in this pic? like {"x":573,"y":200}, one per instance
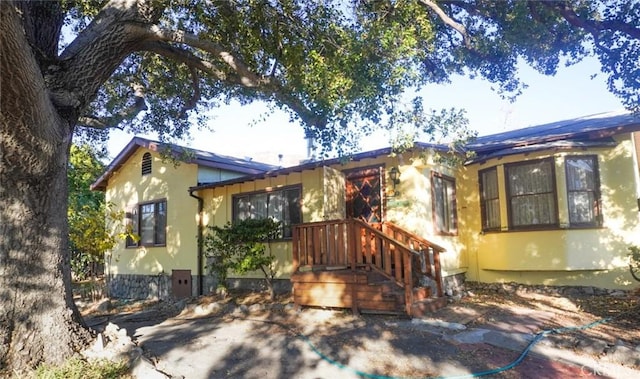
{"x":38,"y":319}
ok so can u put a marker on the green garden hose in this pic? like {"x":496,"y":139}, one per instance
{"x":539,"y":336}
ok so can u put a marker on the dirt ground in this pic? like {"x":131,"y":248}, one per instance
{"x":390,"y":344}
{"x":500,"y":309}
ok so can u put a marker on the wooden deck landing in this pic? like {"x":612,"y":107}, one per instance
{"x":351,"y":264}
{"x":339,"y":288}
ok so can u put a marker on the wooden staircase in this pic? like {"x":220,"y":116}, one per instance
{"x":351,"y":264}
{"x":339,"y":288}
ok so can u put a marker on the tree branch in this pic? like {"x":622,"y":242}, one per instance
{"x":128,"y":113}
{"x":186,"y":57}
{"x":246,"y":77}
{"x":449,"y":21}
{"x":591,"y":26}
{"x":270,"y":87}
{"x":307,"y":115}
{"x":193,"y":100}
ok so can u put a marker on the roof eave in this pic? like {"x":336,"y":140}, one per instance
{"x":313,"y":165}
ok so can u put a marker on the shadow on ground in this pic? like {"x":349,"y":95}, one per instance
{"x":236,"y":340}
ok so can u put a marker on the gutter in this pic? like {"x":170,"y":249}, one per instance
{"x":200,"y":240}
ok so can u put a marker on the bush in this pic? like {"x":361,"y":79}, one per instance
{"x":241,"y":248}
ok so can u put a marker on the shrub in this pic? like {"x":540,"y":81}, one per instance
{"x":240,"y":248}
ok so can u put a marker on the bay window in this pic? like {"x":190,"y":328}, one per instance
{"x":583,"y":190}
{"x":531,"y":194}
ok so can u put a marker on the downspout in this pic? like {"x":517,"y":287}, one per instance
{"x":200,"y":240}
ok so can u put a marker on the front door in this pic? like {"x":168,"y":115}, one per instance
{"x":364,"y":196}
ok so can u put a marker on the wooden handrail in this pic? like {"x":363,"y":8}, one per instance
{"x":435,"y":271}
{"x":402,"y":261}
{"x":348,"y":244}
{"x":416,"y":237}
{"x":386,"y":258}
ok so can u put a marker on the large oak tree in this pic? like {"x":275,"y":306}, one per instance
{"x":338,"y":67}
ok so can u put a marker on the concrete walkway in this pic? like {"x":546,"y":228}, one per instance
{"x":265,"y":345}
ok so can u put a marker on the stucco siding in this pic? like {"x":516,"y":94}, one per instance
{"x":218,"y":211}
{"x":564,"y":255}
{"x":127,"y":188}
{"x":323,"y":199}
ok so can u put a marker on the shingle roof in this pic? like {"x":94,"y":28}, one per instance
{"x":202,"y":158}
{"x":588,"y":131}
{"x":597,"y":128}
{"x":315,"y":164}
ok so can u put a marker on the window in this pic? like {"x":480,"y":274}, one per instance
{"x":583,"y":190}
{"x":280,"y":205}
{"x":531,"y":194}
{"x":131,"y":220}
{"x":444,"y":203}
{"x":149,"y":222}
{"x":146,"y":164}
{"x":489,"y":199}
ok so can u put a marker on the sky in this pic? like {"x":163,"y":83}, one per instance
{"x":569,"y":94}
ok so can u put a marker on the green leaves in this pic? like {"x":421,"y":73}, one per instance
{"x":93,"y":224}
{"x":241,"y":248}
{"x":342,"y":69}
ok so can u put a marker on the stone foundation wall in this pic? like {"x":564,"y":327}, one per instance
{"x":514,"y":288}
{"x":454,"y":284}
{"x":131,"y":286}
{"x":279,"y":285}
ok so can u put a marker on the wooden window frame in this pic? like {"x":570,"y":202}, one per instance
{"x":483,"y":200}
{"x":450,"y":201}
{"x":597,"y":204}
{"x":133,"y":217}
{"x":553,"y":193}
{"x":286,"y":227}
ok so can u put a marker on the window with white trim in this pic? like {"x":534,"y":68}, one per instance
{"x":282,"y":205}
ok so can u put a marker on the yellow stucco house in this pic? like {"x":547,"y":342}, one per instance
{"x":554,"y":204}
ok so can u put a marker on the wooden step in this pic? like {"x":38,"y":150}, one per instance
{"x":426,"y":307}
{"x":368,"y":291}
{"x":421,"y":293}
{"x":337,"y":276}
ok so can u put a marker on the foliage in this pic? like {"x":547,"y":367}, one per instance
{"x":241,"y":248}
{"x":89,"y":216}
{"x":77,"y":368}
{"x":83,"y":169}
{"x":343,"y":70}
{"x":435,"y":126}
{"x":90,"y":237}
{"x":340,"y":68}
